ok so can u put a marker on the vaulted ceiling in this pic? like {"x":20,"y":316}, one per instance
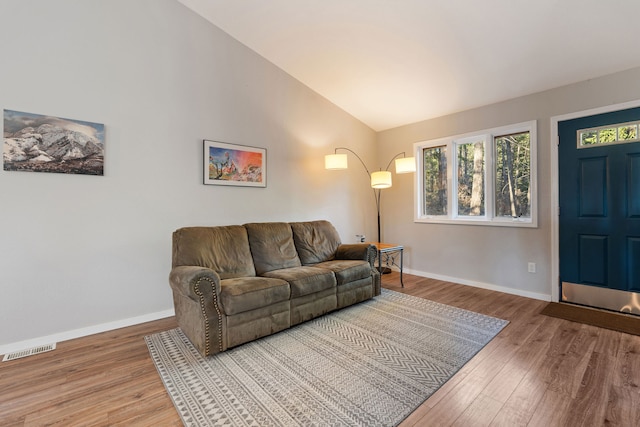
{"x":394,"y":62}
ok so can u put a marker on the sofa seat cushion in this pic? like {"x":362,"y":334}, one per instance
{"x":249,"y":293}
{"x":305,"y":280}
{"x":347,"y":271}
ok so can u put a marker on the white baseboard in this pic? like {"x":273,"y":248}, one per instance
{"x":83,"y":332}
{"x":489,"y":286}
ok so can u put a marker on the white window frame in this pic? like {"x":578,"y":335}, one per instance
{"x":489,"y":218}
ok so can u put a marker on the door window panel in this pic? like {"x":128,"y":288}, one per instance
{"x":628,"y":133}
{"x":612,"y":134}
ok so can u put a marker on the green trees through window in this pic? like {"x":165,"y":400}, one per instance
{"x":513,"y":172}
{"x":612,"y":134}
{"x":435,"y":179}
{"x":491,"y":175}
{"x":470,"y":177}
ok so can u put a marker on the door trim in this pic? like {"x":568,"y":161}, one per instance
{"x":555,"y":202}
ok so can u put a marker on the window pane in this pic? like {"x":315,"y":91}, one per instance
{"x":589,"y":137}
{"x":435,"y":180}
{"x":628,"y":132}
{"x":470,"y":176}
{"x":607,"y":135}
{"x":513,"y":169}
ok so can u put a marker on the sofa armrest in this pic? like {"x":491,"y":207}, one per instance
{"x":360,"y":251}
{"x":195,"y":282}
{"x":365,"y":252}
{"x":199,"y":311}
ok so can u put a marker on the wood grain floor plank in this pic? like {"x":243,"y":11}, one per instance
{"x":479,"y":413}
{"x":590,"y":402}
{"x":575,"y":361}
{"x":551,"y":410}
{"x":623,"y":407}
{"x":523,"y":398}
{"x":520,"y":407}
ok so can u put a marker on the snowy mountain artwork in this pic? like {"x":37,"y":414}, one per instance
{"x":38,"y":143}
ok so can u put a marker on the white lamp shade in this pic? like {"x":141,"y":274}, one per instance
{"x":381,"y":179}
{"x":406,"y":165}
{"x":335,"y":161}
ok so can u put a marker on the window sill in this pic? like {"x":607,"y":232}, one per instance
{"x":518,"y":222}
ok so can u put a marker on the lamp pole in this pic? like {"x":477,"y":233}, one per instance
{"x":376,"y":192}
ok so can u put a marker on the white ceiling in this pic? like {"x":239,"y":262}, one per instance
{"x":394,"y":62}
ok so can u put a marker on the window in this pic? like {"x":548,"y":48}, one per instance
{"x":611,"y":134}
{"x":435,"y":180}
{"x":484,"y":178}
{"x":470,"y":171}
{"x":512,"y":175}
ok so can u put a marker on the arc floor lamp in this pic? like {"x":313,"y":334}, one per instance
{"x":379,"y":179}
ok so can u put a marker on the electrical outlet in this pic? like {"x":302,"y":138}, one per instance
{"x":532,"y":267}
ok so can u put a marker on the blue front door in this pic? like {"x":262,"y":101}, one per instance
{"x":599,"y":192}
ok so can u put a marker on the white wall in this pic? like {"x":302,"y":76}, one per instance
{"x":83,"y":253}
{"x":485,"y":256}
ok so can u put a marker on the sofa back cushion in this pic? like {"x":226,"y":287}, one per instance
{"x":223,"y":249}
{"x":272,"y":246}
{"x":316,"y":241}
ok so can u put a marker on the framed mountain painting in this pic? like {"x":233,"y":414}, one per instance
{"x":38,"y":143}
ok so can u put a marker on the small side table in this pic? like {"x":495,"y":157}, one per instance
{"x":390,"y":252}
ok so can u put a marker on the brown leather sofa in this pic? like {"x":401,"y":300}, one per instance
{"x":234,"y":284}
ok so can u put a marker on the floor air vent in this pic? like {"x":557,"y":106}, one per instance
{"x":29,"y":352}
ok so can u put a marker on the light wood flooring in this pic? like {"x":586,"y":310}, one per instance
{"x":539,"y":371}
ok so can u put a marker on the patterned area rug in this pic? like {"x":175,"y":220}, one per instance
{"x":371,"y":364}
